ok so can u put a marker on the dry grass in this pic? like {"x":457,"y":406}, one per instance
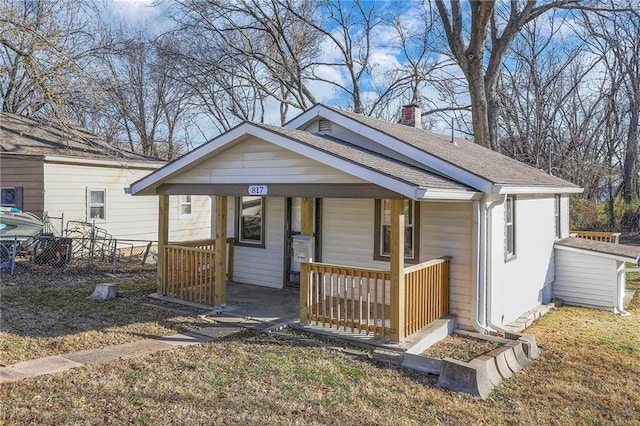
{"x":588,"y":374}
{"x":460,"y":347}
{"x":46,"y":312}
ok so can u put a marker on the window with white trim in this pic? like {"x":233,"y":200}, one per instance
{"x":510,"y":226}
{"x":96,"y":204}
{"x":185,"y":206}
{"x":383,"y":229}
{"x":250,"y":220}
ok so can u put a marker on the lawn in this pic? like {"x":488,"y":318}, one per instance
{"x":589,"y":372}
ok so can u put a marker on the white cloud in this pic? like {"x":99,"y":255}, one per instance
{"x":139,"y":13}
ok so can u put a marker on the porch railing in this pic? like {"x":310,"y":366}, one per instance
{"x":607,"y":237}
{"x":358,"y":299}
{"x":190,"y":270}
{"x":209,"y":244}
{"x":426,"y":293}
{"x":354,"y":299}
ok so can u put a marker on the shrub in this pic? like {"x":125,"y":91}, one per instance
{"x":594,"y":215}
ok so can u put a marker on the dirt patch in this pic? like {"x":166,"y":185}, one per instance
{"x":463,"y":348}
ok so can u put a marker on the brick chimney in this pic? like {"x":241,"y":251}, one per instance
{"x":411,"y":116}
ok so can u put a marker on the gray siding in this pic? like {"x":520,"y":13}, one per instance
{"x":28,"y":173}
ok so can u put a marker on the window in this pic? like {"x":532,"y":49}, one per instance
{"x":96,"y":204}
{"x":184,"y":206}
{"x":557,"y":214}
{"x":510,"y":225}
{"x":250,"y":220}
{"x":11,"y":197}
{"x":383,"y":229}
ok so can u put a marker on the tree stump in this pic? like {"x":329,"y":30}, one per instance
{"x":105,"y":291}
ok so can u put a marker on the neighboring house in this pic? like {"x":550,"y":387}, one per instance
{"x":71,"y":174}
{"x":401,"y":208}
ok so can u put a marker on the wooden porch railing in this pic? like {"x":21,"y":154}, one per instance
{"x":209,"y":244}
{"x":354,"y":299}
{"x":426,"y":293}
{"x":190,"y":270}
{"x":358,"y":299}
{"x":607,"y":237}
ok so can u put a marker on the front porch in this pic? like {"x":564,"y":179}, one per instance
{"x":387,"y":305}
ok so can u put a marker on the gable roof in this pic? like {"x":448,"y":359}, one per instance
{"x":26,"y":136}
{"x":463,"y":161}
{"x":370,"y":159}
{"x":373,"y":167}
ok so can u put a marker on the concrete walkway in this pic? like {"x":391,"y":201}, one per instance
{"x":225,"y":326}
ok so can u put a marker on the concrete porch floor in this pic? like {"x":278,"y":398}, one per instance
{"x":249,"y":305}
{"x":252,"y":302}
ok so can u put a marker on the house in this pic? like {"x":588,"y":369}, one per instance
{"x":72,"y":176}
{"x":385,"y":226}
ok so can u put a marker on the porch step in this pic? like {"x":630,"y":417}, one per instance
{"x":429,"y":335}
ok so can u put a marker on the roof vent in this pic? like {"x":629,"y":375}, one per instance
{"x":324,"y":126}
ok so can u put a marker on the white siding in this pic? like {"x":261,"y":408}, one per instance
{"x":257,"y":161}
{"x":192,"y":227}
{"x":256,"y":265}
{"x":348,"y":233}
{"x":524,"y":282}
{"x":585,"y":279}
{"x":447,"y":231}
{"x":127,"y":217}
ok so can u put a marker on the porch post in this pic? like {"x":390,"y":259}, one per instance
{"x":163,"y":240}
{"x":306,"y":228}
{"x":220,"y":263}
{"x":397,"y":270}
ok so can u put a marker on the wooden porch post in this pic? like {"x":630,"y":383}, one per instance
{"x":163,"y":240}
{"x":397,"y":270}
{"x":306,"y":228}
{"x":220,"y":263}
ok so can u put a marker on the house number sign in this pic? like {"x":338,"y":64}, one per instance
{"x":258,"y":189}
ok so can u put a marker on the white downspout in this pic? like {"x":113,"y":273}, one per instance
{"x":482,"y":317}
{"x":477,"y":316}
{"x":488,"y":288}
{"x":622,"y":272}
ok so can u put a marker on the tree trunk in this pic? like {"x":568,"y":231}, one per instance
{"x":631,"y":155}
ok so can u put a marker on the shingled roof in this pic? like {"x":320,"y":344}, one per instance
{"x":372,"y":160}
{"x":23,"y":135}
{"x":627,"y":252}
{"x":478,"y":160}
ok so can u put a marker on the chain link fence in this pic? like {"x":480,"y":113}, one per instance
{"x":79,"y":243}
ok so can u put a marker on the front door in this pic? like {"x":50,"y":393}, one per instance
{"x":293,"y":226}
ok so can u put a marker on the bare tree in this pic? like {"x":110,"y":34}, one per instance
{"x":47,"y":50}
{"x":259,"y":46}
{"x":146,"y":105}
{"x":614,"y":37}
{"x":498,"y":25}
